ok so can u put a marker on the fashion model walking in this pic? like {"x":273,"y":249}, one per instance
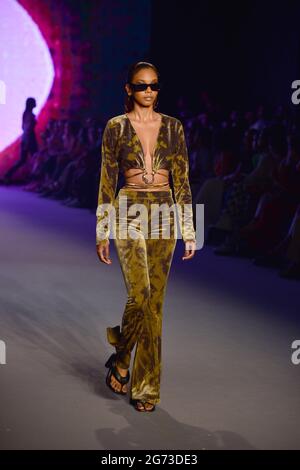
{"x":146,"y":146}
{"x":28,"y":140}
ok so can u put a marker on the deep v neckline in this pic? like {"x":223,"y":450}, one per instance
{"x":139,"y":140}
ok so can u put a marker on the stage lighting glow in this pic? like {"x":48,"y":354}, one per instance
{"x":26,"y":68}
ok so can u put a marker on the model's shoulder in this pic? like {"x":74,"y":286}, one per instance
{"x":167,"y":116}
{"x":172,"y":120}
{"x":115,"y":120}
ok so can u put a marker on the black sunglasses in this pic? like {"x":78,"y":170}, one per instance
{"x":143,"y":86}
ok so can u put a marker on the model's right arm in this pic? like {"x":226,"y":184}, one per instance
{"x":107,"y":186}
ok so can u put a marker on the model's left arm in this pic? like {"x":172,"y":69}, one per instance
{"x":182,"y":190}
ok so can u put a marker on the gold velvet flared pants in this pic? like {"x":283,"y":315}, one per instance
{"x":145,"y":254}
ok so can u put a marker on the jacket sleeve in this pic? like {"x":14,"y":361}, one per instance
{"x":182,"y":190}
{"x":107,"y":186}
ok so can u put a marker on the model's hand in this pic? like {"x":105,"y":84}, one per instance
{"x":190,"y":248}
{"x":103,"y":252}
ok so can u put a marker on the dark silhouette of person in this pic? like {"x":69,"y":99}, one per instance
{"x":28,"y":140}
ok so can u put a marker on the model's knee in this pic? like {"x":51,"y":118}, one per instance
{"x":140,"y":301}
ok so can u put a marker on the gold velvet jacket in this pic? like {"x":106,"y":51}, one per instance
{"x":121,"y":149}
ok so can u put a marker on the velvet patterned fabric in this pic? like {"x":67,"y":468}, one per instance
{"x":144,"y":228}
{"x":122,"y":150}
{"x":145,"y":258}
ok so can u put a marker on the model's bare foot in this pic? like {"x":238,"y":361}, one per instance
{"x":148,"y":406}
{"x":144,"y":406}
{"x":115,"y":383}
{"x":140,"y":406}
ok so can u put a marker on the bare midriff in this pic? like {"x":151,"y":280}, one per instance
{"x":146,"y":178}
{"x":159,"y":180}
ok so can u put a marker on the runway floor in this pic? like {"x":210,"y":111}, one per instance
{"x":228,"y":381}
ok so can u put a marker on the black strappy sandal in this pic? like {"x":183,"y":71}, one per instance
{"x":135,"y":403}
{"x":111,"y":363}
